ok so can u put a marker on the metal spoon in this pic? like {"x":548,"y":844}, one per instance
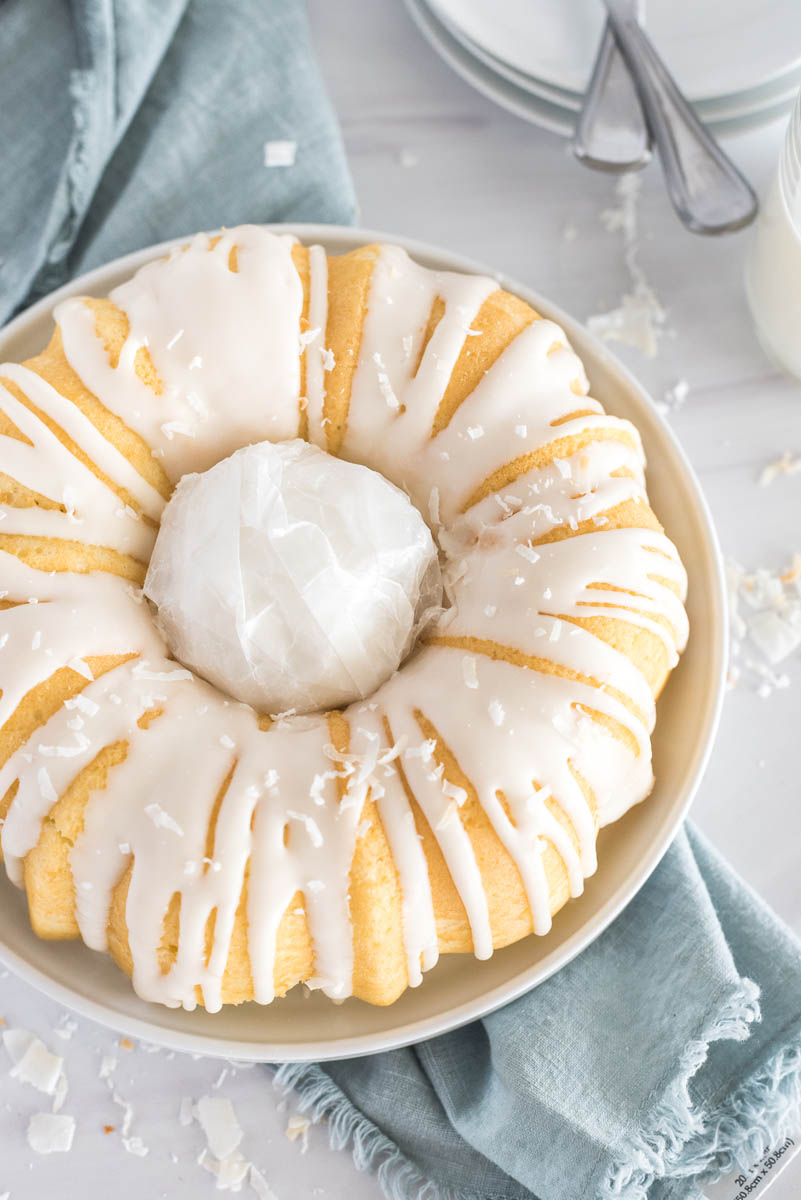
{"x":611,"y":132}
{"x":706,"y":189}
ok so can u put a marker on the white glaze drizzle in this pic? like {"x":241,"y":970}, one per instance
{"x":224,"y":344}
{"x":227,"y":351}
{"x":90,"y":511}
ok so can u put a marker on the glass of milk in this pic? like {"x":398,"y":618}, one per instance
{"x":773,"y":273}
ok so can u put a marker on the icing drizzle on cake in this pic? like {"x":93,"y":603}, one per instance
{"x":516,"y":707}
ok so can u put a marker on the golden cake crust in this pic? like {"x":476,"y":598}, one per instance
{"x":380,"y":971}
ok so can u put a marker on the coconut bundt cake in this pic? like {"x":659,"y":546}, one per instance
{"x":224,"y":851}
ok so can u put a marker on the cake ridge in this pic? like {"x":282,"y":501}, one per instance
{"x":458,"y":807}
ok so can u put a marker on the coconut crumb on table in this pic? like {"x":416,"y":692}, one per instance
{"x":673,"y":397}
{"x":640,"y":320}
{"x":765,"y":624}
{"x":221,"y":1156}
{"x":297,"y":1127}
{"x":50,"y":1134}
{"x":787,"y":464}
{"x":259,"y":1184}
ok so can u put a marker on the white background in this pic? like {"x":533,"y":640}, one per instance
{"x":434,"y":160}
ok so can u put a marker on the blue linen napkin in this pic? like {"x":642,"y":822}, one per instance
{"x":126,"y":122}
{"x":664,"y":1055}
{"x":643,"y":1065}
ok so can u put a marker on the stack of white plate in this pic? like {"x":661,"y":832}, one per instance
{"x":738,"y":61}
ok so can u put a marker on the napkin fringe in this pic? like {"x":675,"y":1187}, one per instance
{"x":757,"y":1117}
{"x":677,"y":1139}
{"x":372,"y":1150}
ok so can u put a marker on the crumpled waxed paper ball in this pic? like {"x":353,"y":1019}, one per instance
{"x":290,"y":579}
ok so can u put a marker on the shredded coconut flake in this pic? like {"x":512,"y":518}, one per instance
{"x":280,"y":152}
{"x":674,"y":397}
{"x":196,"y":402}
{"x":311,"y":826}
{"x":424,"y":751}
{"x":765,"y":623}
{"x":80,"y":743}
{"x":308,"y":336}
{"x":142,"y":671}
{"x":78,"y":664}
{"x":470,"y":671}
{"x":16,"y":1042}
{"x":46,"y":789}
{"x":385,"y":388}
{"x":786,"y":465}
{"x":60,"y":1092}
{"x":640,"y":320}
{"x":69,"y":497}
{"x":39,"y":1067}
{"x":218,"y":1122}
{"x":66,"y":1028}
{"x":259,"y":1184}
{"x":50,"y":1134}
{"x":450,"y":814}
{"x":297,"y":1127}
{"x":108,"y":1065}
{"x":170,"y":428}
{"x":452,"y":791}
{"x":162,"y":819}
{"x":135,"y":1145}
{"x":497,"y":712}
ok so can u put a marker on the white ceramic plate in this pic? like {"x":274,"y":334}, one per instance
{"x":458,"y":989}
{"x":495,"y":86}
{"x":546,"y":106}
{"x":715,"y":48}
{"x":748,"y":103}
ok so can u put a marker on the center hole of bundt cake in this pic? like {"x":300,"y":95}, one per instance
{"x":290,"y":579}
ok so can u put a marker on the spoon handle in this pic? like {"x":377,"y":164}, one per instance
{"x":611,"y":132}
{"x":706,"y":189}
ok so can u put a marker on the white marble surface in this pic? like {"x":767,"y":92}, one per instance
{"x":434,"y":160}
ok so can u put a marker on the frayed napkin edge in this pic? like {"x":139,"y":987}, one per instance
{"x":372,"y":1150}
{"x":681,"y":1142}
{"x":757,"y":1117}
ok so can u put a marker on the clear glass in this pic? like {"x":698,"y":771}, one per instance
{"x":773,"y":272}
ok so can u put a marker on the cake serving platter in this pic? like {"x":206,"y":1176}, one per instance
{"x":307,"y":1026}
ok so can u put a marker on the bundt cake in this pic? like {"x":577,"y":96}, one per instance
{"x":223,"y":853}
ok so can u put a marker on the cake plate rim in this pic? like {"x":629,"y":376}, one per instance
{"x":295,"y":1030}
